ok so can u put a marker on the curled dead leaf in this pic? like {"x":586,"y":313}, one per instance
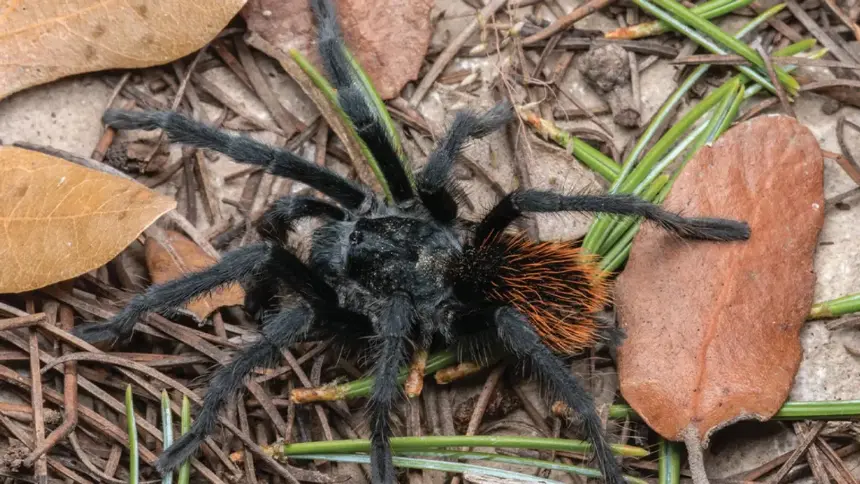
{"x":60,"y":220}
{"x":184,"y":256}
{"x":388,"y":37}
{"x":713,"y":328}
{"x":44,"y":40}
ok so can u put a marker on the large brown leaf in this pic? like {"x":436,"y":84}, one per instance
{"x":713,"y":328}
{"x":43,"y":40}
{"x":60,"y":220}
{"x":184,"y":256}
{"x":388,"y":37}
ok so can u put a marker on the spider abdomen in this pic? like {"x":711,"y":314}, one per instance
{"x":556,"y":285}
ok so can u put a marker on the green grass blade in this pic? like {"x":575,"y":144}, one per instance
{"x":184,"y":476}
{"x":523,"y":461}
{"x":432,"y":465}
{"x":328,"y":91}
{"x":134,"y":454}
{"x":705,"y":42}
{"x":166,"y":429}
{"x":836,"y":307}
{"x":823,"y":410}
{"x":593,"y":237}
{"x":669,"y":470}
{"x":684,"y":14}
{"x":381,"y":111}
{"x":599,"y":230}
{"x":587,"y":154}
{"x":707,"y":10}
{"x":499,"y":458}
{"x":620,"y":233}
{"x":415,"y":444}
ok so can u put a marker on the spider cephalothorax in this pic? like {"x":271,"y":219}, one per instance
{"x":398,"y":271}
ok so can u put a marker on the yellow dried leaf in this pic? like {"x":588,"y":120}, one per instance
{"x":185,"y":256}
{"x":59,"y":220}
{"x":44,"y":40}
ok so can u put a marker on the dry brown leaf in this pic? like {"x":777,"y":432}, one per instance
{"x":188,"y":257}
{"x":44,"y":40}
{"x":61,"y":220}
{"x":713,"y":328}
{"x":388,"y":37}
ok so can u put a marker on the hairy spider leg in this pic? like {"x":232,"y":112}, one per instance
{"x":518,"y":202}
{"x":357,"y":103}
{"x":434,"y":180}
{"x":520,"y":338}
{"x":279,"y":331}
{"x":238,"y":265}
{"x":392,"y":332}
{"x":286,"y":211}
{"x":244,"y":150}
{"x":274,"y":226}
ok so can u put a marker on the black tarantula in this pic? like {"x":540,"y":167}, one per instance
{"x":406,"y":273}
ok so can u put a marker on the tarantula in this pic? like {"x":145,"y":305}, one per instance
{"x":403,"y":274}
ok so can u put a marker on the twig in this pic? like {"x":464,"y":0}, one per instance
{"x":234,"y":105}
{"x":736,"y":60}
{"x":306,"y":382}
{"x":851,"y":24}
{"x":481,"y":405}
{"x":819,"y":33}
{"x":780,"y":90}
{"x":180,"y":93}
{"x":451,"y":51}
{"x":847,"y":160}
{"x":288,"y":123}
{"x":39,"y":462}
{"x":805,"y":441}
{"x":70,"y":395}
{"x":232,"y":62}
{"x":566,"y":21}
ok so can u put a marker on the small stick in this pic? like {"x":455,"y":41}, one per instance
{"x":180,"y":93}
{"x":847,"y":161}
{"x":805,"y":441}
{"x":232,"y":62}
{"x":303,"y":378}
{"x":819,"y":32}
{"x":778,"y":25}
{"x":448,"y":54}
{"x":70,"y":395}
{"x":287,"y":122}
{"x":481,"y":405}
{"x":562,"y":23}
{"x":736,"y":60}
{"x":39,"y":462}
{"x":780,"y":90}
{"x":234,"y":104}
{"x":851,"y":24}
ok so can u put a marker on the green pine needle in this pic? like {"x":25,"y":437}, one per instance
{"x":134,"y":454}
